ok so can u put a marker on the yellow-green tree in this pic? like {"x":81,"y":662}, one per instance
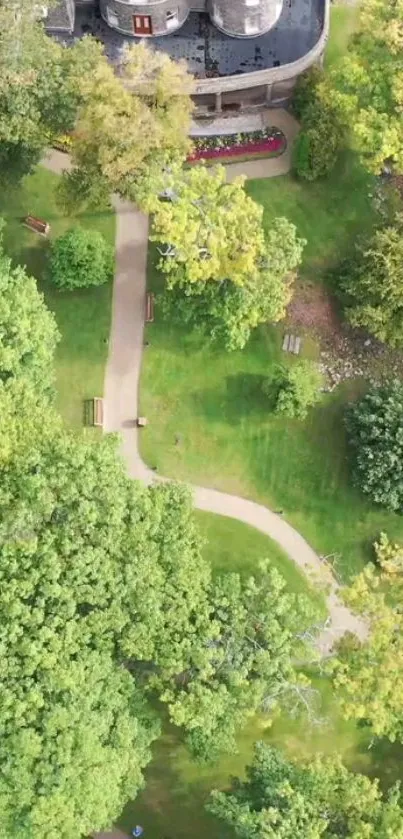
{"x":367,"y":86}
{"x":370,"y":673}
{"x":131,"y":128}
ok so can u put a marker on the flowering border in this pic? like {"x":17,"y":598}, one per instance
{"x":269,"y":140}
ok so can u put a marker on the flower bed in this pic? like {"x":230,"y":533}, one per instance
{"x":270,"y":141}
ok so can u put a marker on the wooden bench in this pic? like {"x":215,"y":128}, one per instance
{"x":37,"y":225}
{"x":149,"y":307}
{"x":94,"y":411}
{"x":292,"y":343}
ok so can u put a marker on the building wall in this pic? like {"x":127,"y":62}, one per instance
{"x":120,"y":15}
{"x":60,"y":18}
{"x":245,"y":18}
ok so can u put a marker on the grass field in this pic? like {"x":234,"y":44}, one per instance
{"x":83,"y":316}
{"x":213,"y":399}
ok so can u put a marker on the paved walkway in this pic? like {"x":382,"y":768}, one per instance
{"x":122,"y":385}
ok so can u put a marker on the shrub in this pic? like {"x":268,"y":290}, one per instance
{"x":375,"y":430}
{"x":389,"y":555}
{"x":294,"y":389}
{"x":80,"y":258}
{"x":317,"y":147}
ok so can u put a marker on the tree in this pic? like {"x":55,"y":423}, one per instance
{"x":389,"y":555}
{"x":28,"y":332}
{"x":39,"y":94}
{"x":131,"y":127}
{"x":295,"y":389}
{"x":74,"y":741}
{"x":369,"y":674}
{"x":318,"y":144}
{"x":81,"y":258}
{"x":211,"y":230}
{"x":372,"y":284}
{"x":375,"y":431}
{"x":228,"y":312}
{"x":281,"y":799}
{"x":366,"y":87}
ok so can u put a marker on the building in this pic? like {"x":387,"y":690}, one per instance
{"x":244,"y":54}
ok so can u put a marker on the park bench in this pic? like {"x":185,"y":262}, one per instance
{"x":292,"y":343}
{"x":94,"y":411}
{"x":149,"y":307}
{"x":37,"y":225}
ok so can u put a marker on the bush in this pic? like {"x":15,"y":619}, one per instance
{"x":294,"y":389}
{"x":389,"y":555}
{"x":317,"y":146}
{"x":375,"y":430}
{"x":80,"y":258}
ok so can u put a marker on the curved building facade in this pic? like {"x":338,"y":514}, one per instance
{"x":145,"y":19}
{"x":244,"y":55}
{"x":244,"y":18}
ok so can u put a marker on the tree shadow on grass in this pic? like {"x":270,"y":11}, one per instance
{"x":241,"y":396}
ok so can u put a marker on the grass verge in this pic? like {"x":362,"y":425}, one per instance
{"x":83,"y":316}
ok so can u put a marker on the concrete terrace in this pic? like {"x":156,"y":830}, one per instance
{"x":210,"y":53}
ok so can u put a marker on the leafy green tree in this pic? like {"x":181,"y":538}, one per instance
{"x":81,"y":258}
{"x":28,"y":332}
{"x":211,"y":230}
{"x":131,"y":127}
{"x":293,"y":390}
{"x":369,"y":674}
{"x":228,"y":312}
{"x":39,"y":94}
{"x":367,"y":86}
{"x":74,"y":741}
{"x":372,"y":284}
{"x":375,"y":431}
{"x":389,"y":555}
{"x":281,"y":799}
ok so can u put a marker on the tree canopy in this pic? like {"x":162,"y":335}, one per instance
{"x":375,"y":431}
{"x":228,"y":312}
{"x":370,"y":673}
{"x":131,"y":127}
{"x":28,"y":332}
{"x":366,"y":87}
{"x":371,"y":283}
{"x":281,"y":799}
{"x":81,"y":258}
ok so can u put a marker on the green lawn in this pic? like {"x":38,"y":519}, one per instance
{"x":327,"y":213}
{"x":83,"y":316}
{"x":343,"y":23}
{"x":172,"y":804}
{"x":213,"y":399}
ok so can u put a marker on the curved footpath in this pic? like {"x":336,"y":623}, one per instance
{"x":122,"y":383}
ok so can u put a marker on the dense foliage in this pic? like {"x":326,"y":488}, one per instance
{"x":131,"y":129}
{"x":366,"y":86}
{"x":80,"y":258}
{"x":319,"y":142}
{"x":293,"y":390}
{"x":375,"y":431}
{"x":228,"y":312}
{"x":28,"y":333}
{"x":371,"y":283}
{"x":370,"y":674}
{"x":281,"y":799}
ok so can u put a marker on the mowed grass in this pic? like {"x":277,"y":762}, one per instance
{"x":172,"y":806}
{"x":210,"y":423}
{"x":328,"y":213}
{"x":83,"y":316}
